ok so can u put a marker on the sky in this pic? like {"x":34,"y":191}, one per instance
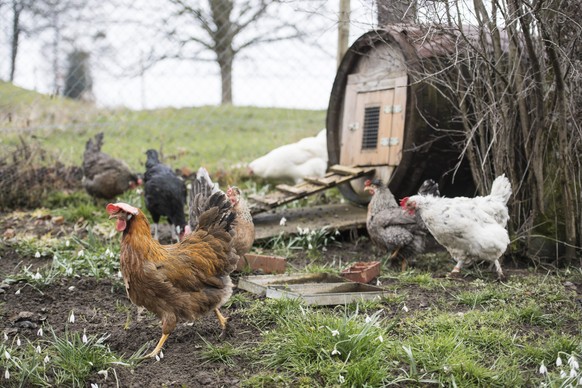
{"x":287,"y":74}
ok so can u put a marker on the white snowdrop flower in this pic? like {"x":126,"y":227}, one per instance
{"x":161,"y":354}
{"x":17,"y":292}
{"x":38,"y":349}
{"x":72,"y":317}
{"x":7,"y":355}
{"x":573,"y":363}
{"x":94,"y":385}
{"x":107,"y":251}
{"x":157,"y":357}
{"x":55,"y":257}
{"x":39,"y":332}
{"x":368,"y":319}
{"x":37,"y":276}
{"x":558,"y":361}
{"x":5,"y":337}
{"x":119,"y":274}
{"x":562,"y":374}
{"x":72,"y":288}
{"x":81,"y":253}
{"x":46,"y":359}
{"x":334,"y":333}
{"x":18,"y":343}
{"x":67,"y":243}
{"x":580,"y":381}
{"x":283,"y":221}
{"x":543,"y":370}
{"x":405,"y":308}
{"x":380,"y":338}
{"x":104,"y":373}
{"x":111,"y":255}
{"x":7,"y":374}
{"x":335,"y":351}
{"x":309,"y":246}
{"x":84,"y":338}
{"x":37,"y":254}
{"x":69,"y":271}
{"x":138,"y":191}
{"x":341,"y":379}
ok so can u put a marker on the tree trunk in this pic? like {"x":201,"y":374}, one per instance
{"x":225,"y":63}
{"x":16,"y":10}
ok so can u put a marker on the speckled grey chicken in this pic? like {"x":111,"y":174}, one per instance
{"x":104,"y":176}
{"x":401,"y":234}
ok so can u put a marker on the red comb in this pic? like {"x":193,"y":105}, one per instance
{"x":115,"y":207}
{"x":367,"y":183}
{"x":403,"y":202}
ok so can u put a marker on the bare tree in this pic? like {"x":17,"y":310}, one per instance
{"x":512,"y":79}
{"x":395,"y":11}
{"x":224,"y":28}
{"x":16,"y":30}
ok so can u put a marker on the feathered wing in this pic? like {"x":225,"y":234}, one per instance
{"x":209,"y":248}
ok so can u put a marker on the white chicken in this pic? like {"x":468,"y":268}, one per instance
{"x":469,"y":228}
{"x":305,"y":158}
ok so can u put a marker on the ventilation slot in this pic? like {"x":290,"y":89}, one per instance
{"x":371,"y":126}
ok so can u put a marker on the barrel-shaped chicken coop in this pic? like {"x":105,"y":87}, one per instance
{"x":382,"y":115}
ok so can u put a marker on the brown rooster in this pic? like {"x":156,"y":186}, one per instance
{"x":182,"y":281}
{"x":104,"y":176}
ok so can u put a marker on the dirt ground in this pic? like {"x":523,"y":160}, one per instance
{"x":101,"y":307}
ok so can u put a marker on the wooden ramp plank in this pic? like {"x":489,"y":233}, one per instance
{"x":286,"y":193}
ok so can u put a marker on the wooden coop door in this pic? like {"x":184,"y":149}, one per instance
{"x":373,"y":125}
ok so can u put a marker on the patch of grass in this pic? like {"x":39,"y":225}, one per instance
{"x":533,"y":314}
{"x":264,"y":313}
{"x":346,"y":349}
{"x":239,"y":300}
{"x":312,"y":241}
{"x":75,"y":257}
{"x":223,"y":353}
{"x":422,"y":279}
{"x":274,"y":380}
{"x":66,"y":360}
{"x":483,"y":297}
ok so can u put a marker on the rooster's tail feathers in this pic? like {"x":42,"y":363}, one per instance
{"x":429,"y":187}
{"x":215,"y":210}
{"x":94,"y":144}
{"x":501,"y":188}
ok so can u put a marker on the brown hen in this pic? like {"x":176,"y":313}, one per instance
{"x":182,"y":281}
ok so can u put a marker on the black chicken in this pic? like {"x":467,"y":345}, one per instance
{"x":401,"y":234}
{"x":165,"y":195}
{"x":104,"y":176}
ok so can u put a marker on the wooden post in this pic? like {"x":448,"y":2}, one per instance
{"x":343,"y":29}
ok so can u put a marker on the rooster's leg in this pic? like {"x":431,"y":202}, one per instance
{"x":174,"y":235}
{"x":222,"y":322}
{"x":403,"y":265}
{"x":156,"y":231}
{"x":456,"y":272}
{"x":158,"y":346}
{"x":395,"y":253}
{"x":500,"y":274}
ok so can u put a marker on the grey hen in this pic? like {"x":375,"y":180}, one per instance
{"x":401,"y":234}
{"x":104,"y":176}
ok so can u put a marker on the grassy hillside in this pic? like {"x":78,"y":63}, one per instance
{"x":216,"y":137}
